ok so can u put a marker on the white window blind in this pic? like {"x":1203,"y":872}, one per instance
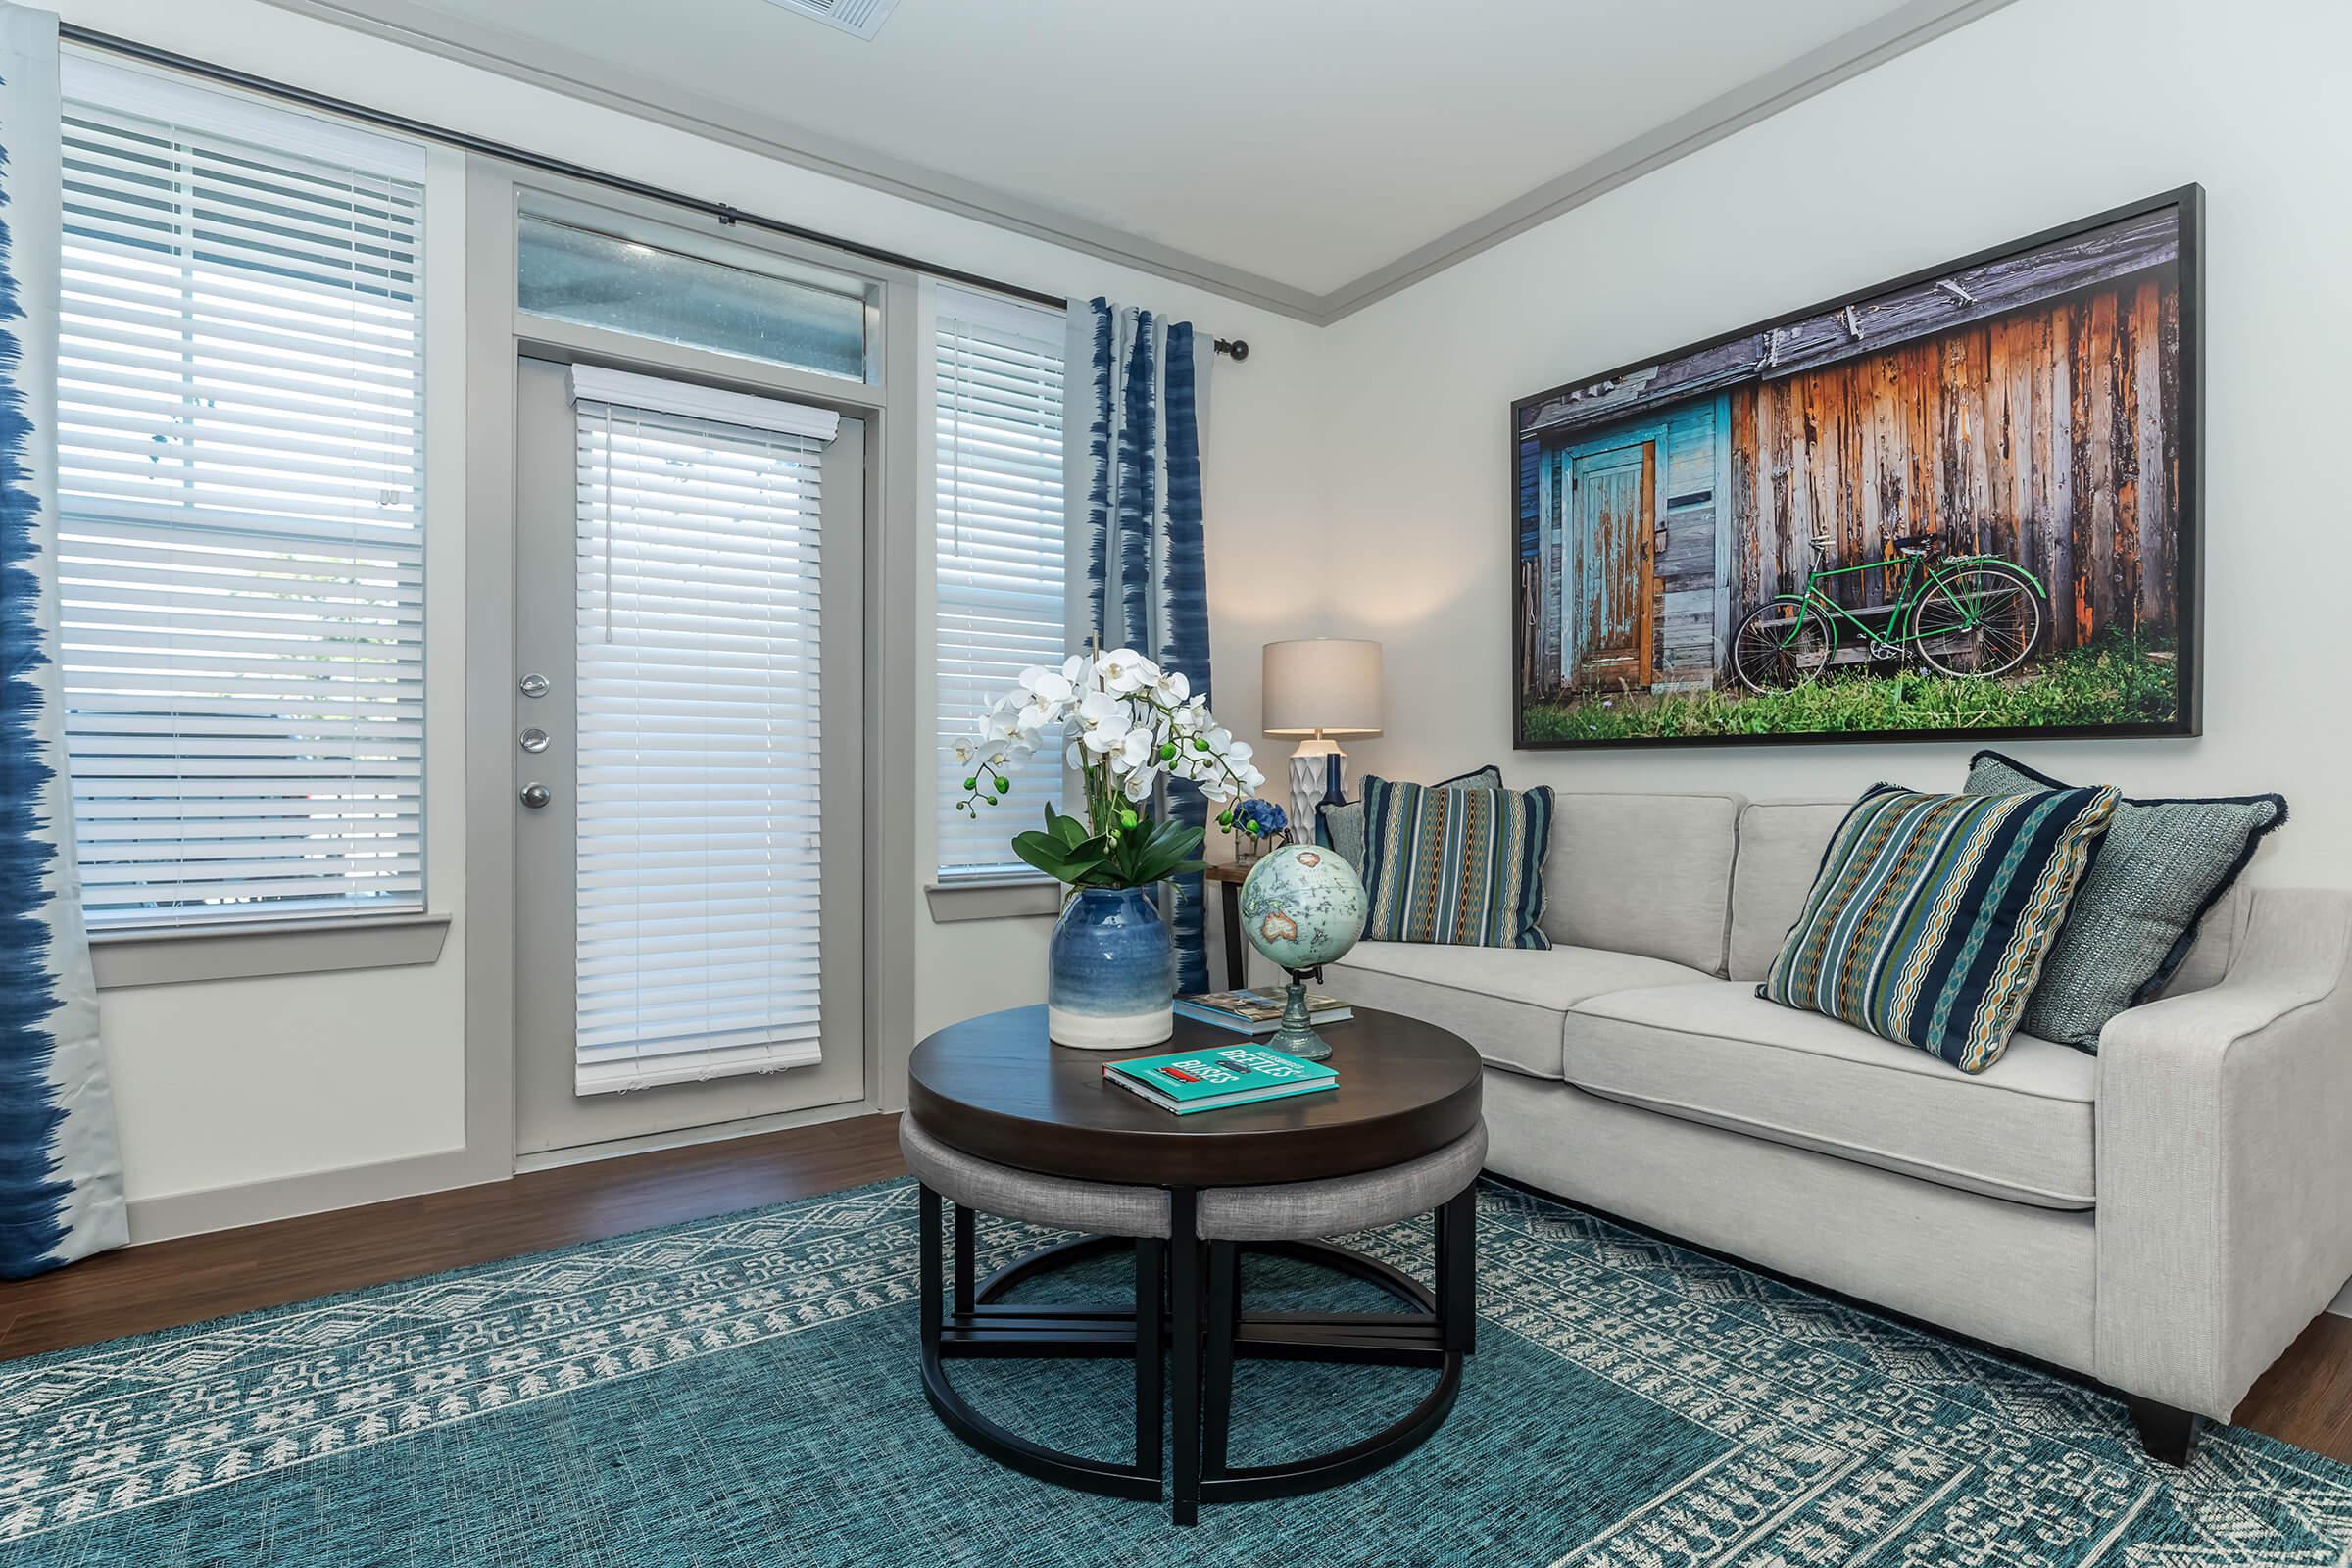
{"x":1003,"y":578}
{"x":697,"y":741}
{"x":240,"y":485}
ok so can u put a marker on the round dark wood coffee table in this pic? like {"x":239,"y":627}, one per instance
{"x":997,"y":1089}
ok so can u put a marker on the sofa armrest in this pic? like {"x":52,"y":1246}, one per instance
{"x":2225,"y":1161}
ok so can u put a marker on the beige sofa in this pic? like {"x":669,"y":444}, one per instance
{"x":2165,"y":1217}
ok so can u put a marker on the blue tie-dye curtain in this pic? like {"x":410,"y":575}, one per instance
{"x":1145,"y":572}
{"x":60,"y":1176}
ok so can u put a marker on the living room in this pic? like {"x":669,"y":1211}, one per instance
{"x":646,"y":646}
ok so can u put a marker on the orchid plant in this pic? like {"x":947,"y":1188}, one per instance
{"x":1126,"y":727}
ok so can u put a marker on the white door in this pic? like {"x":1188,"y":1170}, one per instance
{"x":688,"y":746}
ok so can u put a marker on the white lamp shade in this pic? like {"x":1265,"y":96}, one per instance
{"x":1325,"y":685}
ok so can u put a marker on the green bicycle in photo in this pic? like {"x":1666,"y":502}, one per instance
{"x":1974,"y":617}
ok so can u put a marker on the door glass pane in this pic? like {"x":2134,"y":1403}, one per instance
{"x":698,"y":845}
{"x":574,"y":274}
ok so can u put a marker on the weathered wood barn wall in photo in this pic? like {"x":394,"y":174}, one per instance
{"x":2027,"y":406}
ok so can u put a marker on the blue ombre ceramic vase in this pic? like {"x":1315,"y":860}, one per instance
{"x":1110,"y":971}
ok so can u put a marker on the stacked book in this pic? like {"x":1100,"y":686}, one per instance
{"x":1186,"y":1081}
{"x":1256,"y":1012}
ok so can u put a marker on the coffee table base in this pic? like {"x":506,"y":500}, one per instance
{"x":1435,"y":1330}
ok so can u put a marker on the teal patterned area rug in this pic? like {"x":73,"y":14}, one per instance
{"x":744,"y":1392}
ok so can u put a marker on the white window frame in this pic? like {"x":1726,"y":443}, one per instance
{"x":168,"y":954}
{"x":1008,"y":890}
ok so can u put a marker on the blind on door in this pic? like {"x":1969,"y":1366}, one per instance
{"x":698,"y":744}
{"x":1002,"y":605}
{"x":241,"y":483}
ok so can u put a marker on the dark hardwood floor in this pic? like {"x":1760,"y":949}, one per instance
{"x":198,"y":1277}
{"x":2305,"y":1399}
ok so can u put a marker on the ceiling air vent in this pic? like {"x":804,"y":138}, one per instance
{"x":859,"y":18}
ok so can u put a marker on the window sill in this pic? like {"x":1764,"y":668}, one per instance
{"x":184,"y":954}
{"x":995,"y":898}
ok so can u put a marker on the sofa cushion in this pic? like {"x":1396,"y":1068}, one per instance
{"x":1718,"y":1053}
{"x":1781,"y":843}
{"x":1643,"y":873}
{"x":1508,"y":1002}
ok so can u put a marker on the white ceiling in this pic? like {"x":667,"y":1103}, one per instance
{"x":1306,"y":142}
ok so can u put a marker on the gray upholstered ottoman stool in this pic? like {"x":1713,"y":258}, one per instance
{"x":1293,"y":1218}
{"x":1196,"y":1239}
{"x":978,"y":1324}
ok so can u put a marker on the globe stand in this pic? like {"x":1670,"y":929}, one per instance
{"x":1295,"y":1035}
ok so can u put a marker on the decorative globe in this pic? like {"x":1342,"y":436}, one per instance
{"x":1302,"y":907}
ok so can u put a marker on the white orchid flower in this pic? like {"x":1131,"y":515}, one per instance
{"x":1125,"y":670}
{"x":1096,"y":708}
{"x":1107,"y":734}
{"x":1136,"y":751}
{"x":1052,"y":685}
{"x":1118,"y":716}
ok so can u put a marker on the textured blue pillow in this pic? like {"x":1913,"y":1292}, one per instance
{"x":2164,"y":863}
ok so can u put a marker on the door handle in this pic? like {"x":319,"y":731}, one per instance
{"x":536,"y":796}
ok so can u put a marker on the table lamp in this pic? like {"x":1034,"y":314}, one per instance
{"x":1322,"y":690}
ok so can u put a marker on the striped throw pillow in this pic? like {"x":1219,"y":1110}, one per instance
{"x":1339,"y":824}
{"x":1455,"y":865}
{"x":1932,"y":914}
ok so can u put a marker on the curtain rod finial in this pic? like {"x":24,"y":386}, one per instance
{"x":1237,"y":348}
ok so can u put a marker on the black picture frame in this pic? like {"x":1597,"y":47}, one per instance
{"x":2188,"y":491}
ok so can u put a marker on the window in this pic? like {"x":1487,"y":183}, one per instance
{"x":700,"y":519}
{"x":1001,"y":601}
{"x":811,"y":319}
{"x":240,"y":486}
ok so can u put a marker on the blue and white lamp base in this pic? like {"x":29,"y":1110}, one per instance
{"x":1318,"y":773}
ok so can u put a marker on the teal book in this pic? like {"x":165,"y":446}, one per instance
{"x":1187,"y":1081}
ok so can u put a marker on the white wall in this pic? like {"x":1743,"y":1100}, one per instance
{"x":1358,"y":475}
{"x":259,"y":1081}
{"x":2043,"y":113}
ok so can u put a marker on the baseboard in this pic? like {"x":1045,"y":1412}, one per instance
{"x":710,"y":1133}
{"x":2341,"y":1307}
{"x":224,"y":1208}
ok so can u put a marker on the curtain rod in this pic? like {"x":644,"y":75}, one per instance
{"x":424,"y":130}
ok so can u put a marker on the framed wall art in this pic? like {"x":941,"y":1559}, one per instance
{"x":1963,"y":503}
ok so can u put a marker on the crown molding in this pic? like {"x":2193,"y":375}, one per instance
{"x":1844,"y":57}
{"x":612,"y":87}
{"x":575,"y":75}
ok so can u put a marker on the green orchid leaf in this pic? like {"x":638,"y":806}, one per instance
{"x":1055,"y":861}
